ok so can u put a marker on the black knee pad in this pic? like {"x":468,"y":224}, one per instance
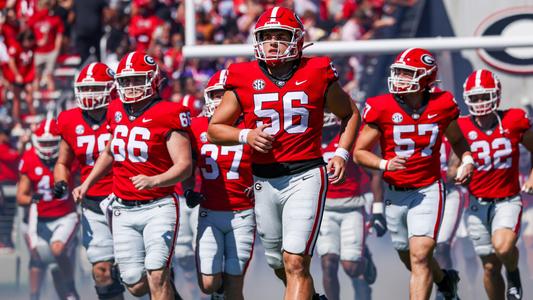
{"x":442,"y":250}
{"x":111,"y":290}
{"x":37,"y":263}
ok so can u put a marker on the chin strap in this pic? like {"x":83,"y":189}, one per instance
{"x":500,"y":126}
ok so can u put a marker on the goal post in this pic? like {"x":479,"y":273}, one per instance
{"x":380,"y":46}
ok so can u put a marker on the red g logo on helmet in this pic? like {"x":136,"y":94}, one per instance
{"x":413,"y":70}
{"x":482,"y":90}
{"x":45,"y":139}
{"x":215,"y":83}
{"x":137,"y":77}
{"x":94,"y":86}
{"x":278,"y":18}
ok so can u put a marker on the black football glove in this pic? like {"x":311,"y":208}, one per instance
{"x":35,"y":198}
{"x":60,"y":189}
{"x":193,"y":198}
{"x":378,"y":221}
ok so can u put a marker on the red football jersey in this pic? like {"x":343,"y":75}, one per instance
{"x":496,"y":154}
{"x":294,"y":108}
{"x":226,"y":170}
{"x":139,"y":145}
{"x":357,"y":181}
{"x":9,"y":159}
{"x":194,"y":105}
{"x":142,"y":28}
{"x":46,"y":29}
{"x":42,"y":180}
{"x":87,"y":142}
{"x":417,"y":137}
{"x":23,"y":61}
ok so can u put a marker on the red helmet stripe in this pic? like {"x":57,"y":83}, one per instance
{"x":47,"y":125}
{"x":273,"y":14}
{"x":90,"y":70}
{"x":128,"y":60}
{"x":222,"y":77}
{"x":404,"y":54}
{"x":477,"y":81}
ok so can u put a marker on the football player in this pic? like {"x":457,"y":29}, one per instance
{"x":410,"y":123}
{"x":226,"y":222}
{"x":148,"y":154}
{"x":184,"y":253}
{"x":282,"y":96}
{"x":54,"y":223}
{"x":84,"y":137}
{"x":343,"y":231}
{"x":453,"y":211}
{"x":495,"y":209}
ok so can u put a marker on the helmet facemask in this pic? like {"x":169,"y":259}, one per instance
{"x":292,"y":45}
{"x":46,"y":146}
{"x":136,"y":86}
{"x":212,"y":98}
{"x":405,"y":79}
{"x":93,"y":95}
{"x":482,"y":101}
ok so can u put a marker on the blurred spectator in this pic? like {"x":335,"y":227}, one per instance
{"x":91,"y":15}
{"x":143,"y":25}
{"x":48,"y":29}
{"x":9,"y":158}
{"x":19,"y":71}
{"x":11,"y":27}
{"x":25,"y":9}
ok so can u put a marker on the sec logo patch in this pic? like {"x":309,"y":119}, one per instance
{"x":118,"y":116}
{"x":258,"y":84}
{"x":80,"y":129}
{"x":472,"y":135}
{"x":203,"y":137}
{"x":397,"y":118}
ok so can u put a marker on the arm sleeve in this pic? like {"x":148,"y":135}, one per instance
{"x":370,"y":113}
{"x":523,"y":121}
{"x":329,"y":71}
{"x":180,"y":119}
{"x":230,"y":82}
{"x":23,"y":169}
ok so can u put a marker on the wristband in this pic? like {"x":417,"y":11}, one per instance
{"x":377,"y":208}
{"x":467,"y":159}
{"x":342,"y":153}
{"x":243,"y":136}
{"x":384,"y":164}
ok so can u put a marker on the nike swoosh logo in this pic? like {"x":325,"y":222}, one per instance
{"x":146,"y":120}
{"x":300,"y":82}
{"x":432,"y":116}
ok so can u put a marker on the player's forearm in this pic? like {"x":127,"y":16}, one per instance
{"x":376,"y":188}
{"x":349,"y":129}
{"x":23,"y":199}
{"x":189,"y":182}
{"x":222,"y":134}
{"x":61,"y":172}
{"x":367,"y":159}
{"x":177,"y":173}
{"x":461,"y":148}
{"x":103,"y":165}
